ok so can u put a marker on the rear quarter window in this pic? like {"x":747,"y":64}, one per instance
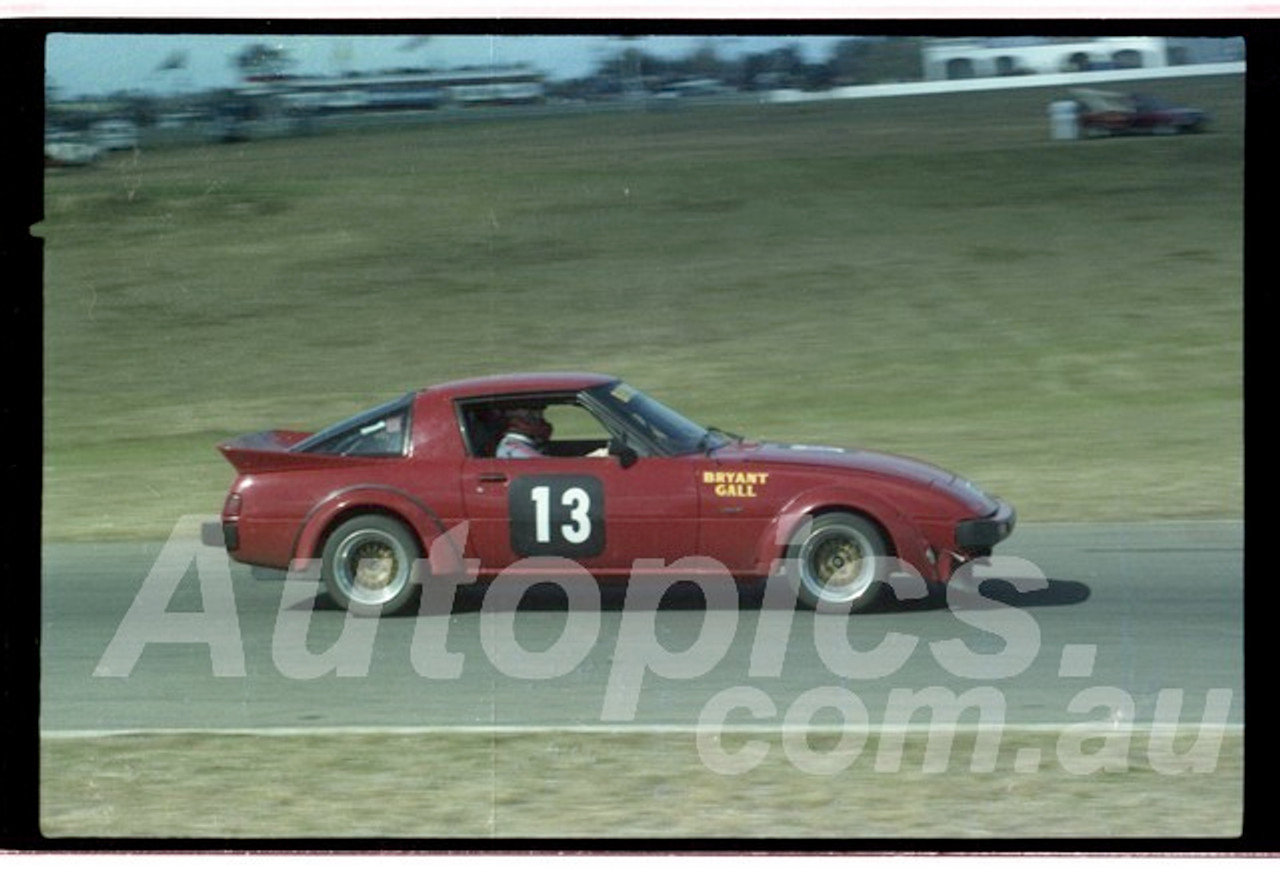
{"x":382,"y":433}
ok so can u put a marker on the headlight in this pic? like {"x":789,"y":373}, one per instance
{"x":971,"y":492}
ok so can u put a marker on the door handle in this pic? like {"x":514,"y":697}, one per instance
{"x":494,"y":477}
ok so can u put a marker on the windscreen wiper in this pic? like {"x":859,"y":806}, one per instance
{"x":704,"y":442}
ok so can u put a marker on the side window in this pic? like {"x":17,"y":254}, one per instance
{"x":385,"y":436}
{"x":575,"y":430}
{"x":484,"y":426}
{"x":377,"y":436}
{"x":572,"y":422}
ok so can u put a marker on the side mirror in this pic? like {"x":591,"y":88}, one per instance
{"x":625,"y":454}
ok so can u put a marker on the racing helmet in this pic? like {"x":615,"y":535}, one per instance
{"x":529,"y":422}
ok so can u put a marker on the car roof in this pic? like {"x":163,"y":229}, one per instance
{"x":530,"y":382}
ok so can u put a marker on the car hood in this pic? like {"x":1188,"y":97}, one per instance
{"x":864,"y":461}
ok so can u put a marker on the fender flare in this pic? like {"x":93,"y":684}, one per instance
{"x":421,"y":518}
{"x":905,"y":539}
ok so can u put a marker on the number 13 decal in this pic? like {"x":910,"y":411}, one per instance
{"x":578,"y":530}
{"x":557,"y":514}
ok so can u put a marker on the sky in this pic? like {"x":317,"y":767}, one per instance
{"x":78,"y":64}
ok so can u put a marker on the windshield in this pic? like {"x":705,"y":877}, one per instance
{"x":379,"y":431}
{"x":669,"y":432}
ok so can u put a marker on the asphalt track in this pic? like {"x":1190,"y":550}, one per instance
{"x":1138,"y":623}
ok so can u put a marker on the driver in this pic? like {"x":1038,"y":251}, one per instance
{"x":526,"y":435}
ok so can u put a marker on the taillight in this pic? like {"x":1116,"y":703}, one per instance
{"x":231,"y":509}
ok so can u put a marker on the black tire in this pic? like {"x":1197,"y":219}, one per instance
{"x":834,"y":561}
{"x":369,"y":566}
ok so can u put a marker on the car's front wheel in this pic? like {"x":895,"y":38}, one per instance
{"x":368,"y":565}
{"x":835,"y":559}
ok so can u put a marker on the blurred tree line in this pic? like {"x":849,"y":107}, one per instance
{"x":711,"y":67}
{"x":858,"y":60}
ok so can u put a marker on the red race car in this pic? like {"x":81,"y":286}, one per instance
{"x":550,"y":469}
{"x":1104,"y":113}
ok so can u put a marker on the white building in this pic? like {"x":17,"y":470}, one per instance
{"x":953,"y":59}
{"x":400,"y":90}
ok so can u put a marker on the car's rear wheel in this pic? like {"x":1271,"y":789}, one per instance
{"x":835,"y":560}
{"x":368,"y":565}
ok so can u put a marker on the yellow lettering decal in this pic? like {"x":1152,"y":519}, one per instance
{"x":735,"y":484}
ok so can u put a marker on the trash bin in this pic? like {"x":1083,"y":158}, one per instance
{"x":1064,"y":120}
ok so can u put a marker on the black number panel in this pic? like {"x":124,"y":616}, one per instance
{"x":560,"y":514}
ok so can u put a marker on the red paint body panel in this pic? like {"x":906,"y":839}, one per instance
{"x":735,"y":503}
{"x":1104,"y":112}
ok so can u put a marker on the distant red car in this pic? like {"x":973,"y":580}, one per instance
{"x":623,"y":478}
{"x":1104,"y":113}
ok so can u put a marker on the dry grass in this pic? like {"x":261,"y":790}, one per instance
{"x":614,"y":786}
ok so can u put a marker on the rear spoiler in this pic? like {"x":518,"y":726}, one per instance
{"x":267,"y":451}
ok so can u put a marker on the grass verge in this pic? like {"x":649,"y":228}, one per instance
{"x":640,"y":785}
{"x":1061,"y":322}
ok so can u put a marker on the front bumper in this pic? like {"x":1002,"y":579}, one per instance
{"x":982,"y":534}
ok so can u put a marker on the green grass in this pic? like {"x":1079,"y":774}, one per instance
{"x":619,"y":785}
{"x":1060,"y":321}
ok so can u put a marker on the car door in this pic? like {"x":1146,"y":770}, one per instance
{"x":575,"y":501}
{"x":592,"y":510}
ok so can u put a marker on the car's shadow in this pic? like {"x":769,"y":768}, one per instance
{"x":993,"y":593}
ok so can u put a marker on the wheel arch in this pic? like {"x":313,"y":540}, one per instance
{"x":357,"y":510}
{"x":901,"y":536}
{"x":386,"y":501}
{"x":857,"y":512}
